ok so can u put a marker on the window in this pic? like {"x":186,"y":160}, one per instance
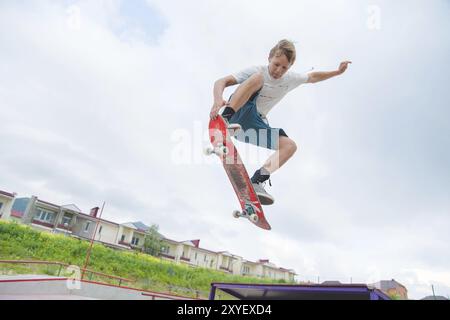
{"x":246,"y":270}
{"x":65,"y":220}
{"x":100,"y":230}
{"x":196,"y":256}
{"x":44,"y":216}
{"x":165,"y":250}
{"x":122,"y":239}
{"x":135,"y":241}
{"x":1,"y":204}
{"x":86,"y":227}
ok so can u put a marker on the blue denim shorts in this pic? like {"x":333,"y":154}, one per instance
{"x":256,"y":129}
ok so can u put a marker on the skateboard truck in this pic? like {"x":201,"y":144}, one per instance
{"x":220,"y":150}
{"x":248,"y":213}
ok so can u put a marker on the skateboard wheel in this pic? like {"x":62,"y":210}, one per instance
{"x":208,"y":151}
{"x":254,"y":218}
{"x":225,"y":150}
{"x":237,"y":214}
{"x":219,"y":150}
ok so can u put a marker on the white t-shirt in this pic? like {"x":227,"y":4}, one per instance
{"x":274,"y":89}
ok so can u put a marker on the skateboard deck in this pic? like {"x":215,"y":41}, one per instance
{"x":223,"y":147}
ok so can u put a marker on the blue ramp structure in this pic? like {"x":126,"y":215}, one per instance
{"x":298,"y":292}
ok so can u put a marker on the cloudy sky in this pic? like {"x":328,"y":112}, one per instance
{"x":108,"y":100}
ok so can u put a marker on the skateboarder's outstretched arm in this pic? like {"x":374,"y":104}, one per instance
{"x":324,"y":75}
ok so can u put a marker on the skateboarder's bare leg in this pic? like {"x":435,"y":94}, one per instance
{"x":245,"y":91}
{"x":286,"y":149}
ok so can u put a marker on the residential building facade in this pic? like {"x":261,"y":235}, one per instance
{"x":6,"y":203}
{"x":71,"y":221}
{"x":392,"y":288}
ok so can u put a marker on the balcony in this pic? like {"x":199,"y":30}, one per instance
{"x":225,"y":269}
{"x":16,"y":214}
{"x":42,"y":223}
{"x":64,"y":227}
{"x":123,"y":243}
{"x":185,"y":259}
{"x":168,"y":256}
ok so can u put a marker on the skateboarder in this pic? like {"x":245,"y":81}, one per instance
{"x":260,"y":89}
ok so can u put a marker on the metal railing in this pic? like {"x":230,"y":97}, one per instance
{"x":196,"y":294}
{"x":65,"y":265}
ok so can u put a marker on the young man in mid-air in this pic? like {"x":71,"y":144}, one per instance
{"x":260,"y":89}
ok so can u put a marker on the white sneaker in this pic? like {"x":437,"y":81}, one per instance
{"x":265,"y":198}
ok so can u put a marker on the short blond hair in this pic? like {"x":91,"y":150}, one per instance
{"x":285,"y":47}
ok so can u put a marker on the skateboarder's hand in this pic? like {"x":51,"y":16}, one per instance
{"x":216,"y":107}
{"x":343,"y":66}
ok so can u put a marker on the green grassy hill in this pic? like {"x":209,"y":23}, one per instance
{"x":19,"y":242}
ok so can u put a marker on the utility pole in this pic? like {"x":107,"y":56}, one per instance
{"x":92,"y":243}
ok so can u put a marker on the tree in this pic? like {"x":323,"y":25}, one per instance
{"x":395,"y":296}
{"x":153,"y":241}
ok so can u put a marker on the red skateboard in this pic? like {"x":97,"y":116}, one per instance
{"x":222,"y":146}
